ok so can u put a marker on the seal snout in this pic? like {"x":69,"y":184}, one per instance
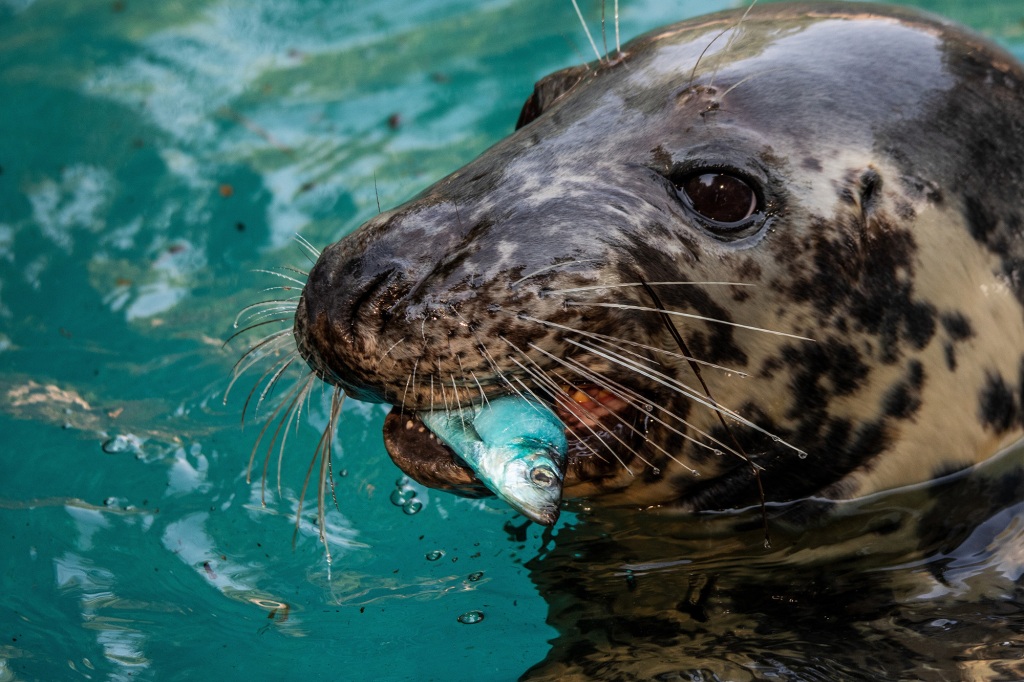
{"x":343,"y":314}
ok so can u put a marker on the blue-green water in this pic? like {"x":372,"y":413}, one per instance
{"x":153,"y":155}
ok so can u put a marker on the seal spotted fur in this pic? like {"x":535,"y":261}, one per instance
{"x":820,"y":204}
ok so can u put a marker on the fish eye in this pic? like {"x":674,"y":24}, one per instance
{"x":543,"y":477}
{"x":726,"y":203}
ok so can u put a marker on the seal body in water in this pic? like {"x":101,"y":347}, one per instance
{"x":749,"y":257}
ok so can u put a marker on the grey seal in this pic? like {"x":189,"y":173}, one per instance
{"x":761,"y":256}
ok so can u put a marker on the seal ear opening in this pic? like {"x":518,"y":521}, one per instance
{"x":547,"y":91}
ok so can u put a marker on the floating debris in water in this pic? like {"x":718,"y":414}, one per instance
{"x":471,"y":617}
{"x":435,"y":555}
{"x":475,"y":576}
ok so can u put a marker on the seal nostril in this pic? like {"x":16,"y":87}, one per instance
{"x":368,"y":296}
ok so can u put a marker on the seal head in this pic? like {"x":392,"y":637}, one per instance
{"x":779,"y":252}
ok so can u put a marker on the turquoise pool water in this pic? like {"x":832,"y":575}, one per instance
{"x":154,"y":157}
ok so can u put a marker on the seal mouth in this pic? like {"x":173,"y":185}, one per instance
{"x":585,"y":411}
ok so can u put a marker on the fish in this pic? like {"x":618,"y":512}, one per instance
{"x":516,"y":446}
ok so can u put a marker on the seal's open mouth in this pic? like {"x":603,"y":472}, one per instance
{"x":584,"y":411}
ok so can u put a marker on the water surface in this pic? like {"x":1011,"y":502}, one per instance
{"x":155,"y":157}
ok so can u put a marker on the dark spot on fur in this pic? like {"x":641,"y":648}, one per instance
{"x":811,"y":164}
{"x":923,"y":188}
{"x":950,"y":353}
{"x":997,"y":406}
{"x":920,"y":324}
{"x":903,"y":400}
{"x":836,"y":362}
{"x":957,"y":326}
{"x":980,"y":220}
{"x":770,"y":367}
{"x":870,"y":183}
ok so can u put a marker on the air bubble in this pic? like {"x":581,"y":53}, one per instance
{"x":717,"y":452}
{"x":656,"y":471}
{"x":776,"y":439}
{"x":435,"y":555}
{"x":412,"y":507}
{"x":400,"y":498}
{"x":802,"y":454}
{"x":471,"y":617}
{"x":475,"y":576}
{"x":121,"y":444}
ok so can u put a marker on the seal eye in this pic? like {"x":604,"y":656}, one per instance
{"x":724,"y":201}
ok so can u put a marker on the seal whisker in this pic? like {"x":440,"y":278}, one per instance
{"x":692,"y":316}
{"x":290,"y":417}
{"x":741,"y":82}
{"x":296,"y":411}
{"x":270,"y":370}
{"x":618,"y":43}
{"x":677,"y":337}
{"x":558,"y":395}
{"x":257,"y":315}
{"x":458,"y":401}
{"x":259,"y":439}
{"x":269,"y":388}
{"x":270,"y":344}
{"x":626,"y":285}
{"x":483,"y":394}
{"x":292,"y":268}
{"x":444,"y":393}
{"x":283,"y":276}
{"x":683,"y":389}
{"x":636,"y":401}
{"x":551,"y":267}
{"x":302,"y":241}
{"x":412,"y":378}
{"x":393,"y":346}
{"x":586,"y":30}
{"x":636,"y":344}
{"x":257,"y":325}
{"x":729,"y":43}
{"x":639,"y":402}
{"x":703,"y":53}
{"x":289,"y":303}
{"x":322,"y":453}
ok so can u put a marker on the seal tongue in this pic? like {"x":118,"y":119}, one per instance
{"x":516,"y":447}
